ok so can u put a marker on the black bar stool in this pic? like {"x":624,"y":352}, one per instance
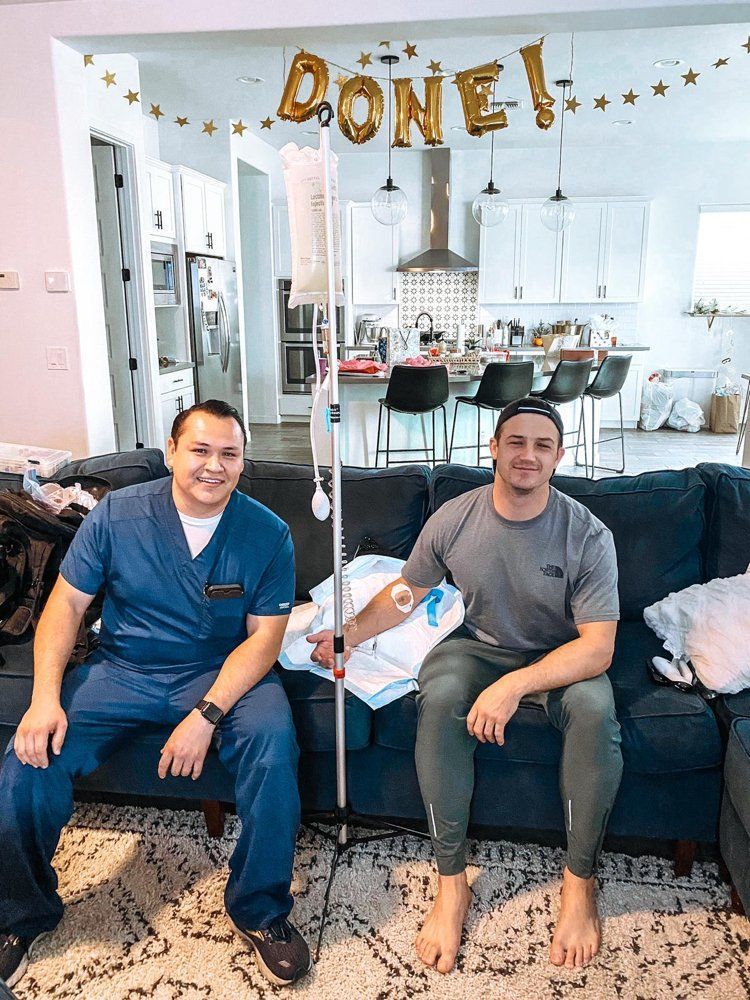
{"x":418,"y":391}
{"x":501,"y":383}
{"x":608,"y":382}
{"x":568,"y":383}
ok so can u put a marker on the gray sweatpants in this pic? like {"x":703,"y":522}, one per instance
{"x":451,"y":678}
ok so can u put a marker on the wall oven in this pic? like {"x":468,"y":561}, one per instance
{"x":295,"y":341}
{"x":164,"y":274}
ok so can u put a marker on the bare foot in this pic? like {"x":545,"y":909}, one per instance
{"x":578,"y":933}
{"x":438,"y":941}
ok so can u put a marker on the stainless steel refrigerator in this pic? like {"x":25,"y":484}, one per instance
{"x":215,"y":329}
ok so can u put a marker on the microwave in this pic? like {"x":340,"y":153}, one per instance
{"x":164,"y":274}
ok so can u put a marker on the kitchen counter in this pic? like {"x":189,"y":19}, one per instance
{"x":178,"y":367}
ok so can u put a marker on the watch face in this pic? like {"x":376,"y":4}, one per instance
{"x":212,"y":713}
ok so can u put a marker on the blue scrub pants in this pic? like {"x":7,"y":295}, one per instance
{"x":106,"y":704}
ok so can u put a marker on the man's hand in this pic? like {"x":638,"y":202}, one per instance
{"x":493,"y":709}
{"x":323,"y":652}
{"x":42,"y":720}
{"x":185,"y":750}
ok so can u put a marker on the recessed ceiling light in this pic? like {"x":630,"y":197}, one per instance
{"x":663,"y":63}
{"x":309,"y":131}
{"x":458,"y":128}
{"x":250,"y":79}
{"x":623,"y":121}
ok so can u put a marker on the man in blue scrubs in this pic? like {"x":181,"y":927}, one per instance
{"x":199,"y":582}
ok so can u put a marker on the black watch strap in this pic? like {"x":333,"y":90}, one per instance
{"x":212,"y":713}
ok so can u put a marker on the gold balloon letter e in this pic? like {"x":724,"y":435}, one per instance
{"x":469,"y":82}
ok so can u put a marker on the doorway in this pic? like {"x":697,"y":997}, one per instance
{"x":113,"y":190}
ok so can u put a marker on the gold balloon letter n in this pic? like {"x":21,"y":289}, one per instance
{"x":303,"y":64}
{"x":428,"y":119}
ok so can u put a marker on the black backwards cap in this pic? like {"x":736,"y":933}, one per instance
{"x":530,"y":404}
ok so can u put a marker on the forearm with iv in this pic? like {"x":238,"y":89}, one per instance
{"x":389,"y":608}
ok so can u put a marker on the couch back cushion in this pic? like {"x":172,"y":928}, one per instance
{"x":120,"y":468}
{"x":728,"y":535}
{"x":387,"y":505}
{"x":657,"y":519}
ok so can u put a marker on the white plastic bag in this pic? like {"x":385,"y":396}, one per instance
{"x":55,"y":497}
{"x":708,"y":624}
{"x":303,"y":176}
{"x":686,"y":415}
{"x":656,"y":404}
{"x":382,"y":669}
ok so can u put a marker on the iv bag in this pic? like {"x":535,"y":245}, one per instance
{"x":303,"y":176}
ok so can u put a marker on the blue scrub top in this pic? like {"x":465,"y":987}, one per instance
{"x":155,"y":613}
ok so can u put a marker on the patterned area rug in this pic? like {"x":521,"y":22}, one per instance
{"x":145,"y":918}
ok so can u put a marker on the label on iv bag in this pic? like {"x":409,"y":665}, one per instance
{"x":303,"y":176}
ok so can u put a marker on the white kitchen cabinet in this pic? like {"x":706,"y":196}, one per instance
{"x":582,"y":246}
{"x":172,"y":403}
{"x":282,"y":245}
{"x":499,"y":259}
{"x":203,"y":214}
{"x":624,"y":251}
{"x":539,"y":261}
{"x":373,"y":257}
{"x":599,"y":258}
{"x":631,"y":401}
{"x":161,"y":200}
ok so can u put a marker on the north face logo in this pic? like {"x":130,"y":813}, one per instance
{"x":550,"y":570}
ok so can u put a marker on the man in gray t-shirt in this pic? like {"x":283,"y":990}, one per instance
{"x":538,"y":575}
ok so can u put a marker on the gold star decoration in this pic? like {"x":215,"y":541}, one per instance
{"x":721,"y":62}
{"x":434,"y":67}
{"x":485,"y":89}
{"x":365,"y":59}
{"x":340,"y":80}
{"x":109,"y":78}
{"x":182,"y":122}
{"x":601,"y":102}
{"x":267,"y":123}
{"x":660,"y":88}
{"x":690,"y":77}
{"x":238,"y":128}
{"x":131,"y":97}
{"x":746,"y":45}
{"x":384,"y":45}
{"x":209,"y":128}
{"x":411,"y":50}
{"x":630,"y":97}
{"x":572,"y":104}
{"x":88,"y":61}
{"x":156,"y":111}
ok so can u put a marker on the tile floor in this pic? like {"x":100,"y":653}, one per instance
{"x":644,"y":450}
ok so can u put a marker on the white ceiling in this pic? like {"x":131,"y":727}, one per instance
{"x":196,"y":75}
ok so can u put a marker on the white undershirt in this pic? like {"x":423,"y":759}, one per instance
{"x":198,"y":531}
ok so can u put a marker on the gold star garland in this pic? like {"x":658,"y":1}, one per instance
{"x":435,"y":67}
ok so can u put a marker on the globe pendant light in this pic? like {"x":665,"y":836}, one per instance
{"x":389,"y":202}
{"x":489,"y":207}
{"x":558,"y":211}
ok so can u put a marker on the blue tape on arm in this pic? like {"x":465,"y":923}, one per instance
{"x":433,"y":599}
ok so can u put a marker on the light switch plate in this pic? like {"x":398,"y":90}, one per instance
{"x":57,"y":359}
{"x":9,"y":279}
{"x":57,"y":281}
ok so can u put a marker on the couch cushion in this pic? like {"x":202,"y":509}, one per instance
{"x":120,"y":468}
{"x":388,"y":505}
{"x":657,"y":520}
{"x":728,"y":533}
{"x":663,"y":730}
{"x":16,"y":681}
{"x":733,"y":706}
{"x":737,"y":770}
{"x":313,"y":708}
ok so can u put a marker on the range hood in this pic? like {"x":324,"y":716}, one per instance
{"x":438,"y":257}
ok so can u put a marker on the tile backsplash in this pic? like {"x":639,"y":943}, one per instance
{"x":625,"y":315}
{"x":449,"y":297}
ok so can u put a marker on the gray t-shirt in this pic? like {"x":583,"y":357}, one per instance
{"x":525,"y":584}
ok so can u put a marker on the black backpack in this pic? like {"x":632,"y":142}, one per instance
{"x":33,"y":542}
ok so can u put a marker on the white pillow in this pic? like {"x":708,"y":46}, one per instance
{"x":709,"y":624}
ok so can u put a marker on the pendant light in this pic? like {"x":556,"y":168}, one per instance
{"x":389,"y":202}
{"x":489,"y":207}
{"x":558,"y":211}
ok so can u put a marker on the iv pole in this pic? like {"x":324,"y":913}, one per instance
{"x":343,"y":813}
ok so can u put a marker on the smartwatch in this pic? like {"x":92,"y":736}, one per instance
{"x":210,"y":712}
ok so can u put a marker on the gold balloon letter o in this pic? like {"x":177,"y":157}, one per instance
{"x":360,"y":86}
